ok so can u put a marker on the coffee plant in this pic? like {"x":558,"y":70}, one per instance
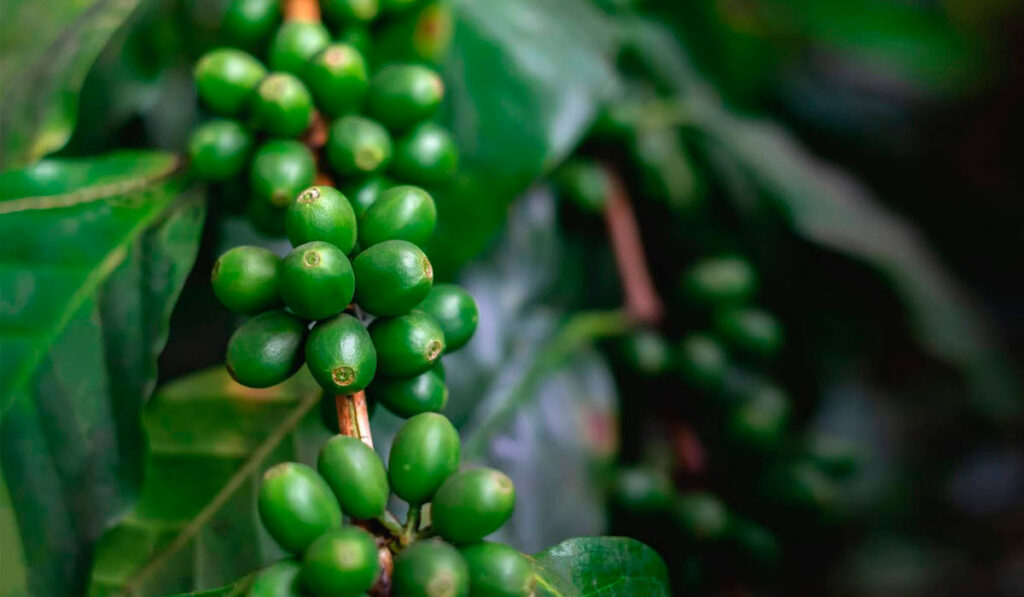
{"x":317,"y":298}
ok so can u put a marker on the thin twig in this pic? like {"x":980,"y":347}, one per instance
{"x":301,"y":10}
{"x":642,"y":301}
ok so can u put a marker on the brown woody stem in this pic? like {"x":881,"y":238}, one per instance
{"x":353,"y":418}
{"x":642,"y":301}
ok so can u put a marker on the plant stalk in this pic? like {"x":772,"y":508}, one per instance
{"x":301,"y":10}
{"x":643,"y":304}
{"x":353,"y":418}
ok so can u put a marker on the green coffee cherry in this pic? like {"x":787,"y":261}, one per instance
{"x":249,"y":23}
{"x":280,"y":579}
{"x":422,"y":35}
{"x":245,"y":280}
{"x":400,"y":213}
{"x":425,"y":156}
{"x":753,"y":331}
{"x":702,"y":361}
{"x":394,"y":276}
{"x":720,"y":280}
{"x":425,"y":392}
{"x":226,"y":80}
{"x":266,"y":350}
{"x":430,"y":568}
{"x":340,"y":355}
{"x":282,"y":106}
{"x":337,"y":78}
{"x":356,"y":475}
{"x":701,"y":515}
{"x":363,"y":192}
{"x":341,"y":562}
{"x":498,"y":570}
{"x":357,"y":146}
{"x":800,"y":485}
{"x":321,"y":213}
{"x":760,"y":422}
{"x":585,"y":183}
{"x":315,"y":280}
{"x":218,"y":149}
{"x":296,"y":506}
{"x":347,"y":11}
{"x":424,"y":453}
{"x":406,"y":345}
{"x":295,"y":43}
{"x":646,"y":352}
{"x":402,"y":95}
{"x":642,"y":490}
{"x":280,"y":170}
{"x":472,"y":504}
{"x":455,"y":310}
{"x":753,"y":538}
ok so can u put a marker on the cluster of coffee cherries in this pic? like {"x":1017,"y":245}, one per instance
{"x":728,"y":365}
{"x":313,"y":99}
{"x":438,"y":552}
{"x":414,"y":321}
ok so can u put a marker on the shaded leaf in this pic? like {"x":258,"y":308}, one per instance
{"x":142,"y":82}
{"x":195,"y":526}
{"x":525,"y":79}
{"x":93,"y":257}
{"x":47,"y":49}
{"x":827,"y":208}
{"x":600,"y":566}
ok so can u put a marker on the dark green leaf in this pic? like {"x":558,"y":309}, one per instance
{"x":607,"y":566}
{"x":140,"y":89}
{"x":195,"y":525}
{"x":46,"y":51}
{"x":525,"y":79}
{"x":93,"y":257}
{"x":826,"y":207}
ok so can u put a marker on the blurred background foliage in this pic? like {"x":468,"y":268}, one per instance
{"x":900,"y":290}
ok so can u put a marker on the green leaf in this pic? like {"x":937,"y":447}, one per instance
{"x":46,"y":51}
{"x":525,"y":80}
{"x":234,"y":589}
{"x":12,"y":564}
{"x":195,"y":526}
{"x":93,"y":257}
{"x":607,"y":566}
{"x":825,"y":207}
